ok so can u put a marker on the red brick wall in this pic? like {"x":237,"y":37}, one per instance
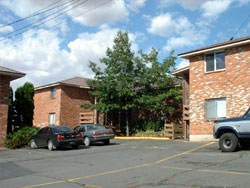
{"x":4,"y":96}
{"x":232,"y":83}
{"x":71,"y":101}
{"x":66,"y":105}
{"x":44,"y":105}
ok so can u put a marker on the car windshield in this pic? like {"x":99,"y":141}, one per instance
{"x":247,"y":114}
{"x":62,"y":129}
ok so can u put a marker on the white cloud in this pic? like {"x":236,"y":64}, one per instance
{"x":96,"y":12}
{"x":212,"y":9}
{"x":183,"y":63}
{"x":163,"y":25}
{"x":135,"y":5}
{"x":186,"y":4}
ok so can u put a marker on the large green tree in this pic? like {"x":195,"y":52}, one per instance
{"x":130,"y":81}
{"x":114,"y":86}
{"x":24,"y":105}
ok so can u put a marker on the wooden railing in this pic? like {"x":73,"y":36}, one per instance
{"x":173,"y":131}
{"x":86,"y":117}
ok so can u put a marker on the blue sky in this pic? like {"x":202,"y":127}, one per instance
{"x":53,"y":40}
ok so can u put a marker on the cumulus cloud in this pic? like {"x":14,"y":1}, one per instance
{"x":97,"y":12}
{"x":212,"y":9}
{"x":135,"y":5}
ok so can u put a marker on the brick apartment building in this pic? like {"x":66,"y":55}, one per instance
{"x":216,"y":85}
{"x":60,"y":103}
{"x":6,"y":76}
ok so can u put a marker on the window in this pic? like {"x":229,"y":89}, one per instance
{"x":52,"y":118}
{"x":216,"y":108}
{"x":215,"y":61}
{"x":53,"y":93}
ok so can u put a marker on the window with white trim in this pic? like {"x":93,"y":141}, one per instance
{"x":216,"y":108}
{"x":52,"y":118}
{"x":215,"y":61}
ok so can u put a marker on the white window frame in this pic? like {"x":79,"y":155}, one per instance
{"x":215,"y":108}
{"x":52,"y":118}
{"x":215,"y":59}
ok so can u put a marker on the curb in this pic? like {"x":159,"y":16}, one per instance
{"x":139,"y":138}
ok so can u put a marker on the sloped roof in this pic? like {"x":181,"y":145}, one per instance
{"x":73,"y":82}
{"x":218,"y":46}
{"x":10,"y":72}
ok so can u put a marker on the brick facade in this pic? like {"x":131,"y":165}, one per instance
{"x":233,"y":83}
{"x":6,"y":76}
{"x":4,"y":96}
{"x":66,"y":105}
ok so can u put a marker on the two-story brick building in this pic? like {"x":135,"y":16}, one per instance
{"x":60,"y":103}
{"x":217,"y":85}
{"x":6,"y":76}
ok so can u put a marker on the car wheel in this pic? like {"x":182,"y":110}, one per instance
{"x":228,"y":142}
{"x":86,"y":141}
{"x":106,"y":142}
{"x":33,"y":144}
{"x":51,"y":145}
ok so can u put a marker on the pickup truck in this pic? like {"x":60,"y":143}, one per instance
{"x":233,"y":132}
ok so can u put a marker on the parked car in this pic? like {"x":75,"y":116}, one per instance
{"x":56,"y":136}
{"x":232,"y":132}
{"x":94,"y":133}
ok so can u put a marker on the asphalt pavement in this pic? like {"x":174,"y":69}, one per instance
{"x":127,"y":164}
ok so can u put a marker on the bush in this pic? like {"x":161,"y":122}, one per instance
{"x":20,"y":138}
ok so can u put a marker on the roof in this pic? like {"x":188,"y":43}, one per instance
{"x":180,"y":72}
{"x":219,"y":46}
{"x":73,"y":82}
{"x":10,"y":72}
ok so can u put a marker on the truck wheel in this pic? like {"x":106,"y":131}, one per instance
{"x":228,"y":142}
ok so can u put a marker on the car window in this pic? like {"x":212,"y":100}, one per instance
{"x":62,"y":129}
{"x":43,"y":130}
{"x":99,"y":127}
{"x":82,"y":129}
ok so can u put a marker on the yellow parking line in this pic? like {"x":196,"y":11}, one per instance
{"x":183,"y":153}
{"x":122,"y":169}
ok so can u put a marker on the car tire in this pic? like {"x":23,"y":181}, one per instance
{"x":228,"y":142}
{"x":51,"y":145}
{"x":106,"y":142}
{"x":86,"y":141}
{"x":33,"y":144}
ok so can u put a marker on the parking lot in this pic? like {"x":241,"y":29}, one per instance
{"x":127,"y":164}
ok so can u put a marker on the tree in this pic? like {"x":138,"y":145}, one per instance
{"x":160,"y":98}
{"x":10,"y":112}
{"x":114,"y":86}
{"x":131,"y":82}
{"x":24,"y":105}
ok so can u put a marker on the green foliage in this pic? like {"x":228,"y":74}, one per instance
{"x":10,"y":111}
{"x":20,"y":138}
{"x":140,"y":82}
{"x":24,"y":105}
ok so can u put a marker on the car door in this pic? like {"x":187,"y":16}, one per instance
{"x":42,"y":137}
{"x":243,"y":126}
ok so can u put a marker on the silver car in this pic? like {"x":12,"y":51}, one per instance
{"x":94,"y":133}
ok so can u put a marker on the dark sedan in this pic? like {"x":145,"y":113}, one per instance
{"x":56,"y":136}
{"x":94,"y":133}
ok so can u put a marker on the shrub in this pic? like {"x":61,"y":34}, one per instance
{"x":20,"y":138}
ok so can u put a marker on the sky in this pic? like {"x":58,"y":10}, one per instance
{"x":54,"y":40}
